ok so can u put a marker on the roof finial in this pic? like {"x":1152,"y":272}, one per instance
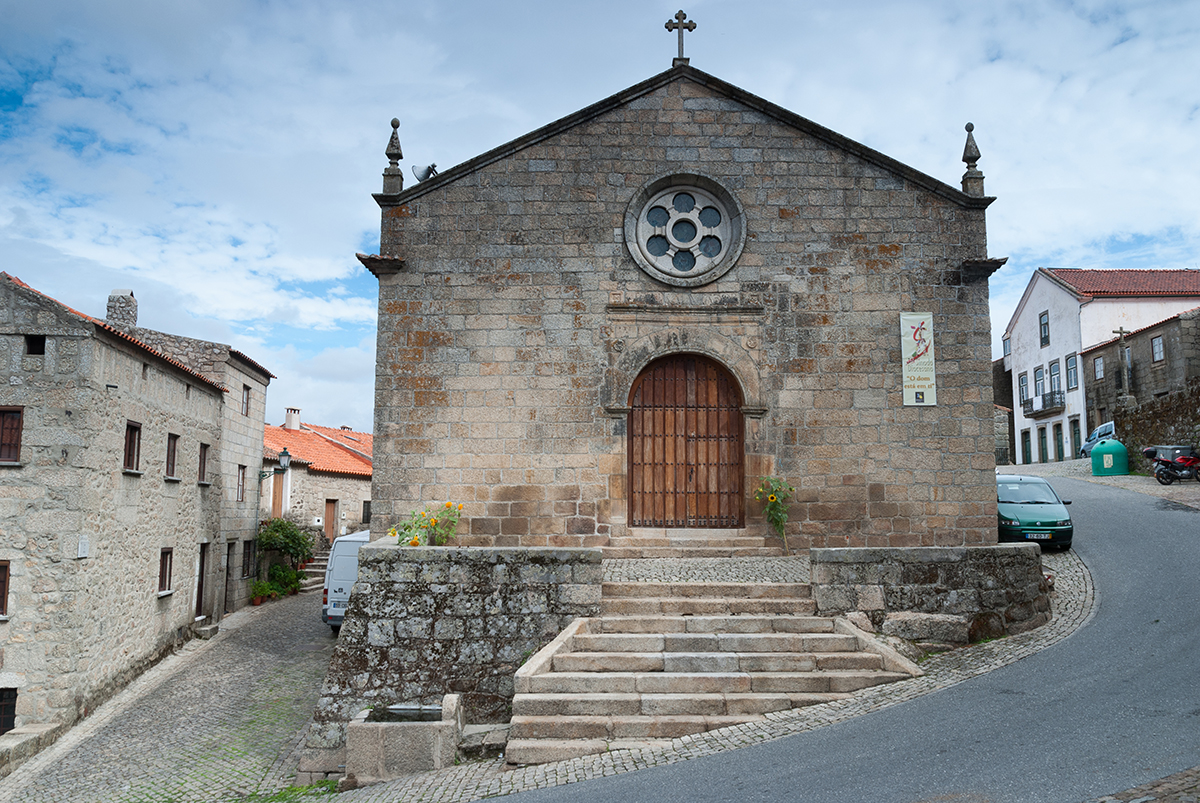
{"x":393,"y":179}
{"x":972,"y":180}
{"x":681,"y":26}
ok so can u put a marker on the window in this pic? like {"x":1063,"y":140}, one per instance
{"x":172,"y":449}
{"x":1156,"y":348}
{"x":3,"y":588}
{"x":1055,"y":378}
{"x":1044,"y":328}
{"x":1007,"y":347}
{"x":245,"y":400}
{"x":8,"y":709}
{"x":249,"y":569}
{"x":1072,"y":373}
{"x":366,"y":517}
{"x":164,"y":571}
{"x":1023,"y":385}
{"x":1039,"y":381}
{"x":241,"y":489}
{"x":35,"y":345}
{"x":202,"y":475}
{"x":1098,"y":367}
{"x":133,"y":445}
{"x":10,"y":434}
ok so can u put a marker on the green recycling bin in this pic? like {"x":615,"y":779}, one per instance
{"x":1109,"y":458}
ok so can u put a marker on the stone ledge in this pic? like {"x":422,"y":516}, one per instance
{"x":23,"y":743}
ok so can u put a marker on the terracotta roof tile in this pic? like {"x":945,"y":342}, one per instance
{"x":358,"y":441}
{"x":313,"y":450}
{"x":1130,"y":282}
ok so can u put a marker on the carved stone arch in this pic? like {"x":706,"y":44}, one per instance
{"x":684,"y":339}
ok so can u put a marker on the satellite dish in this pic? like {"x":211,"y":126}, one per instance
{"x":423,"y":173}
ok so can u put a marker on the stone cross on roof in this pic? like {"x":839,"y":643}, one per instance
{"x":681,"y":26}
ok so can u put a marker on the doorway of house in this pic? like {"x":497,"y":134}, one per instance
{"x":330,"y":520}
{"x":200,"y":580}
{"x":230,"y":552}
{"x":685,"y":445}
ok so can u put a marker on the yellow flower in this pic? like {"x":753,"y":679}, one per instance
{"x":772,"y":498}
{"x":460,"y":505}
{"x":433,"y":522}
{"x":449,"y":505}
{"x":415,"y":541}
{"x":422,"y":514}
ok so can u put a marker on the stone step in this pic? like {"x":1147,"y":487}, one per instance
{"x":779,"y":643}
{"x":694,"y":606}
{"x":703,"y":590}
{"x":611,"y":552}
{"x":689,"y":541}
{"x":749,"y":623}
{"x":595,"y":706}
{"x":594,"y":683}
{"x":617,"y":726}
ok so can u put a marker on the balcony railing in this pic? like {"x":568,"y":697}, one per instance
{"x":1047,"y":404}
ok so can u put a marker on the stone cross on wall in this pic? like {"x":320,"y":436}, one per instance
{"x":681,"y":26}
{"x":1126,"y":368}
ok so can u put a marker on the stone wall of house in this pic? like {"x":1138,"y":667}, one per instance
{"x":83,"y":537}
{"x":935,"y":596}
{"x":511,"y":335}
{"x":426,"y":621}
{"x":308,"y":492}
{"x":1173,"y":420}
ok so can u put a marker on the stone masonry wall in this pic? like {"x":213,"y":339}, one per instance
{"x":1168,"y":421}
{"x":426,"y":621}
{"x":510,"y":336}
{"x":308,"y":491}
{"x":78,"y":628}
{"x":942,"y":595}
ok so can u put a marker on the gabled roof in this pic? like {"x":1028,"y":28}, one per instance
{"x":1112,"y":340}
{"x":1121,"y":282}
{"x":101,"y":325}
{"x":314,"y":450}
{"x":685,"y":72}
{"x":361,"y":442}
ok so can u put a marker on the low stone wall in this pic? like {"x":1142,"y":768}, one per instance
{"x":426,"y":621}
{"x":934,"y":595}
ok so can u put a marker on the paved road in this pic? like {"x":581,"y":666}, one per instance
{"x":219,"y":720}
{"x":1113,"y":706}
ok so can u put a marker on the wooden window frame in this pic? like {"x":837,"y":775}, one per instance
{"x":133,"y":447}
{"x":241,"y":484}
{"x":249,"y":558}
{"x":172,"y":453}
{"x":165,"y":560}
{"x":202,"y":471}
{"x":8,"y":709}
{"x":366,"y":514}
{"x":4,"y":577}
{"x":1098,"y":367}
{"x":1044,"y":328}
{"x":1072,"y":372}
{"x":1022,"y":388}
{"x":1039,"y":381}
{"x":1157,"y":353}
{"x":1055,"y":377}
{"x":12,"y":422}
{"x":245,"y":400}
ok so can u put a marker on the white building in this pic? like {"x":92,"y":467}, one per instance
{"x":1062,"y":312}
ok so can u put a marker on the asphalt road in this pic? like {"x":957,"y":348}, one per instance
{"x":1114,"y":706}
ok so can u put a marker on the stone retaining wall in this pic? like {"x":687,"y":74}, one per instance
{"x":426,"y":621}
{"x":934,"y":595}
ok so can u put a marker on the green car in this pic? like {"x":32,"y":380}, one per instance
{"x":1028,"y":509}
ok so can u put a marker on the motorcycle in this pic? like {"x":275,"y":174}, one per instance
{"x":1166,"y":470}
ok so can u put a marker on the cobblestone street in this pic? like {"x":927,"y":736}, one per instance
{"x":219,"y":720}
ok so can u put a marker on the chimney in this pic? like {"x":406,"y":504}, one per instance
{"x":292,"y":421}
{"x":122,"y":310}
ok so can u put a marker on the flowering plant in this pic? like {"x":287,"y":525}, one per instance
{"x":428,"y":527}
{"x":774,"y":494}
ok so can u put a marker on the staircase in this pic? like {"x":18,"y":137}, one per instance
{"x":314,"y":572}
{"x":665,"y":660}
{"x":646,"y":542}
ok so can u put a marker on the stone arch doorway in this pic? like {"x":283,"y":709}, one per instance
{"x":686,"y":445}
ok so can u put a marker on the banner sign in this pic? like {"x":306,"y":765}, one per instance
{"x":916,"y":348}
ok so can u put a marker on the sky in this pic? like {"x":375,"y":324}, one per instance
{"x":218,"y":157}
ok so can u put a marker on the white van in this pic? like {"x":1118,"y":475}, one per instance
{"x":340,"y":575}
{"x":1105,"y":430}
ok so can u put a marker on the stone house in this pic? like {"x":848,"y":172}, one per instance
{"x":1062,"y":312}
{"x":327,"y":486}
{"x":622,"y":320}
{"x":1163,"y":358}
{"x":126,"y":497}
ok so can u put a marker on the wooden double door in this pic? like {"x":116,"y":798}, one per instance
{"x":685,"y":445}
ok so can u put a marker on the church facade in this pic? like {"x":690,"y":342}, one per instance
{"x":626,"y":319}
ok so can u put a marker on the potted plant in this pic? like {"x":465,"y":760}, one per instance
{"x":259,"y":590}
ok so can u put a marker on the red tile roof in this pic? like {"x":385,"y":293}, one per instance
{"x":358,"y":441}
{"x":1130,"y":282}
{"x":311,"y":449}
{"x":102,"y":325}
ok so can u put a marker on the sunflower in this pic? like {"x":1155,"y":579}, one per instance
{"x":772,"y":498}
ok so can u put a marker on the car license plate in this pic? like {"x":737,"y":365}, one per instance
{"x":1038,"y":536}
{"x":337,"y":605}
